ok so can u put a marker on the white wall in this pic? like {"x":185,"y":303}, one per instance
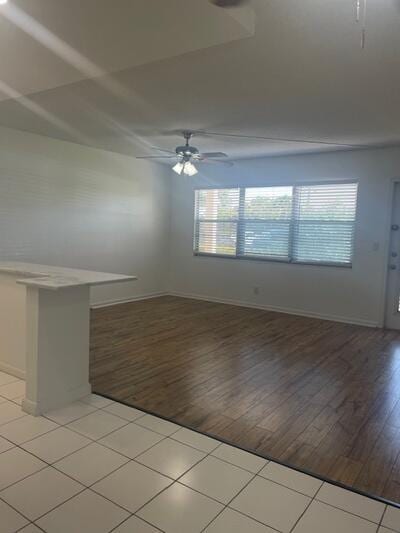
{"x":354,"y":295}
{"x":65,"y":204}
{"x":69,"y":205}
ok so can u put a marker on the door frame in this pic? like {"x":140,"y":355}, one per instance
{"x":386,"y":250}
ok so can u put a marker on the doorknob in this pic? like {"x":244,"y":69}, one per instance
{"x":392,"y":267}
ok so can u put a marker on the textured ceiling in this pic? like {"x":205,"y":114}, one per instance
{"x":157,"y":66}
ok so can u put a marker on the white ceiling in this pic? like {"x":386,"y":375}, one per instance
{"x":123,"y":74}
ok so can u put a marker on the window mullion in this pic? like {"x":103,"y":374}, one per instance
{"x":196,"y":223}
{"x":240,"y":223}
{"x":293,"y":222}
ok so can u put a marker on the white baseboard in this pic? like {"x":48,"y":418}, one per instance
{"x":240,"y":303}
{"x":12,"y":370}
{"x":38,"y":407}
{"x":107,"y":303}
{"x":277,"y":309}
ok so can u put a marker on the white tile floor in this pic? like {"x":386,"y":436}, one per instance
{"x":98,"y":466}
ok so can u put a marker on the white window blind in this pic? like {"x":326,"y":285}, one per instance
{"x":217,"y":214}
{"x":302,"y":223}
{"x":265,"y":222}
{"x":324,"y":217}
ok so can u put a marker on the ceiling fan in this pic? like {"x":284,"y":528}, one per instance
{"x":187,"y":155}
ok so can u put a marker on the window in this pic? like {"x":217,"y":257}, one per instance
{"x":299,"y":224}
{"x":266,"y":223}
{"x":217,"y":218}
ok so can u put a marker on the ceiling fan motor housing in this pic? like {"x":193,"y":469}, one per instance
{"x":186,"y":151}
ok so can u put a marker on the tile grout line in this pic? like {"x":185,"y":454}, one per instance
{"x":176,"y":480}
{"x":139,"y":518}
{"x":381,"y":520}
{"x":145,"y":427}
{"x":229,"y":503}
{"x":130,"y":460}
{"x":301,"y":516}
{"x":233,"y":464}
{"x":306,"y":509}
{"x":348,"y":512}
{"x":226,"y":506}
{"x":29,"y":524}
{"x":285,"y":486}
{"x":315,"y":497}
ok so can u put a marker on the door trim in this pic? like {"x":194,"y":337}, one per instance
{"x":386,"y":248}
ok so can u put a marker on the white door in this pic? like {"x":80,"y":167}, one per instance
{"x":392,"y":320}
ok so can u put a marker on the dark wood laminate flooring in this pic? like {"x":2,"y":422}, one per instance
{"x":319,"y":395}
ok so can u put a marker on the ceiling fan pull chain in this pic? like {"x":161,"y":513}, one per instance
{"x":364,"y":25}
{"x":364,"y":19}
{"x":358,"y":8}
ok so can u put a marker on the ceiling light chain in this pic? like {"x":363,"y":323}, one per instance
{"x":362,"y":11}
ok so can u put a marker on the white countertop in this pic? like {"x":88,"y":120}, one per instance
{"x":53,"y":278}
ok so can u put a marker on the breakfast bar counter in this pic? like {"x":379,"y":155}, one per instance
{"x":44,"y":330}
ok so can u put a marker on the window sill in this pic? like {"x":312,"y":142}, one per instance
{"x":274,"y":260}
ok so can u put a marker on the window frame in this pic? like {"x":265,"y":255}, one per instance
{"x":269,"y":259}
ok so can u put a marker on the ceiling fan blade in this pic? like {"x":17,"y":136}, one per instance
{"x":162,"y":150}
{"x":216,"y":161}
{"x":155,"y":157}
{"x":210,"y":155}
{"x":278,"y":139}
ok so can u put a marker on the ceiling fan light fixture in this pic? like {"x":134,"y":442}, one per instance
{"x":186,"y":168}
{"x":190,"y":169}
{"x":178,"y":168}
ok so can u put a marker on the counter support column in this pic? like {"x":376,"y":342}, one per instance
{"x":57,"y":347}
